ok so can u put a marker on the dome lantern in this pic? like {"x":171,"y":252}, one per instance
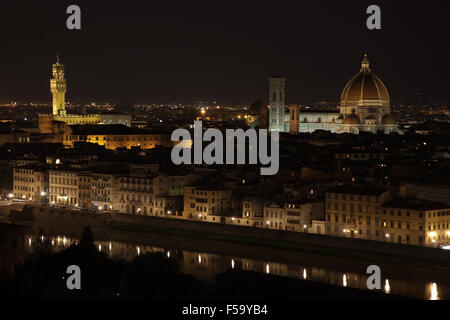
{"x":365,"y":64}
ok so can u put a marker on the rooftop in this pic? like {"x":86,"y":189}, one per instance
{"x":360,"y":190}
{"x":416,"y":204}
{"x":109,"y":129}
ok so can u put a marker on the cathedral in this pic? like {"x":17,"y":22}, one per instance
{"x":364,"y":107}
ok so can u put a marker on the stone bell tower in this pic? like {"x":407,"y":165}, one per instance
{"x":58,"y":87}
{"x":294,"y":118}
{"x":277,"y":103}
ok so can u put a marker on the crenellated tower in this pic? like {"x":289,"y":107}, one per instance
{"x":58,"y":87}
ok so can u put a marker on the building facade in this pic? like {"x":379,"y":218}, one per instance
{"x":63,"y":186}
{"x":371,"y":214}
{"x":30,"y":183}
{"x":210,"y":204}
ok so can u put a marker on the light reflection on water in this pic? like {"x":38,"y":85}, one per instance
{"x":204,"y":266}
{"x":387,"y":286}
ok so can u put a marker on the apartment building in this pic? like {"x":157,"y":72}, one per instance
{"x":353,"y":211}
{"x":275,"y":216}
{"x":293,"y":215}
{"x":151,"y":193}
{"x":30,"y":183}
{"x":103,"y":191}
{"x":370,"y":213}
{"x":305,"y":216}
{"x":63,"y":186}
{"x":135,"y":193}
{"x":253,"y":209}
{"x":416,"y":222}
{"x":210,"y":204}
{"x":85,"y":190}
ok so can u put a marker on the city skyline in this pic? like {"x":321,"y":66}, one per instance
{"x":188,"y":55}
{"x":206,"y":154}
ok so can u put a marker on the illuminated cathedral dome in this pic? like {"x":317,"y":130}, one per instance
{"x":364,"y":89}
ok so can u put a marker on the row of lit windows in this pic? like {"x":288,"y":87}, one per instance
{"x":351,"y":207}
{"x":352,"y":197}
{"x":65,"y":181}
{"x":23,"y":179}
{"x":61,"y":200}
{"x":120,"y":138}
{"x":63,"y":190}
{"x":23,"y":188}
{"x":274,"y":214}
{"x":444,"y":226}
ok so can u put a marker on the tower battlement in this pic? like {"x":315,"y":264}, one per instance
{"x":58,"y":88}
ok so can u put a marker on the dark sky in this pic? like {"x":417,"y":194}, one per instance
{"x":149,"y":51}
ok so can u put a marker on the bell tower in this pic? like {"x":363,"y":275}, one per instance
{"x":58,"y":87}
{"x":277,"y":103}
{"x":294,"y":118}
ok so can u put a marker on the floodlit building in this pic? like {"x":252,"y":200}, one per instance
{"x":297,"y":216}
{"x":369,"y":213}
{"x":58,"y":88}
{"x":30,"y":183}
{"x":417,"y":222}
{"x":211,"y":204}
{"x":364,"y":106}
{"x":63,"y":186}
{"x":116,"y":136}
{"x":103,"y":189}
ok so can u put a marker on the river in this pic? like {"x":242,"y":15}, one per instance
{"x":205,"y":265}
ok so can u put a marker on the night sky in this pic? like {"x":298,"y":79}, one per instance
{"x":184,"y":51}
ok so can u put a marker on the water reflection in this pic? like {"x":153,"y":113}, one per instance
{"x":205,"y":266}
{"x":434,"y":292}
{"x":387,"y":286}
